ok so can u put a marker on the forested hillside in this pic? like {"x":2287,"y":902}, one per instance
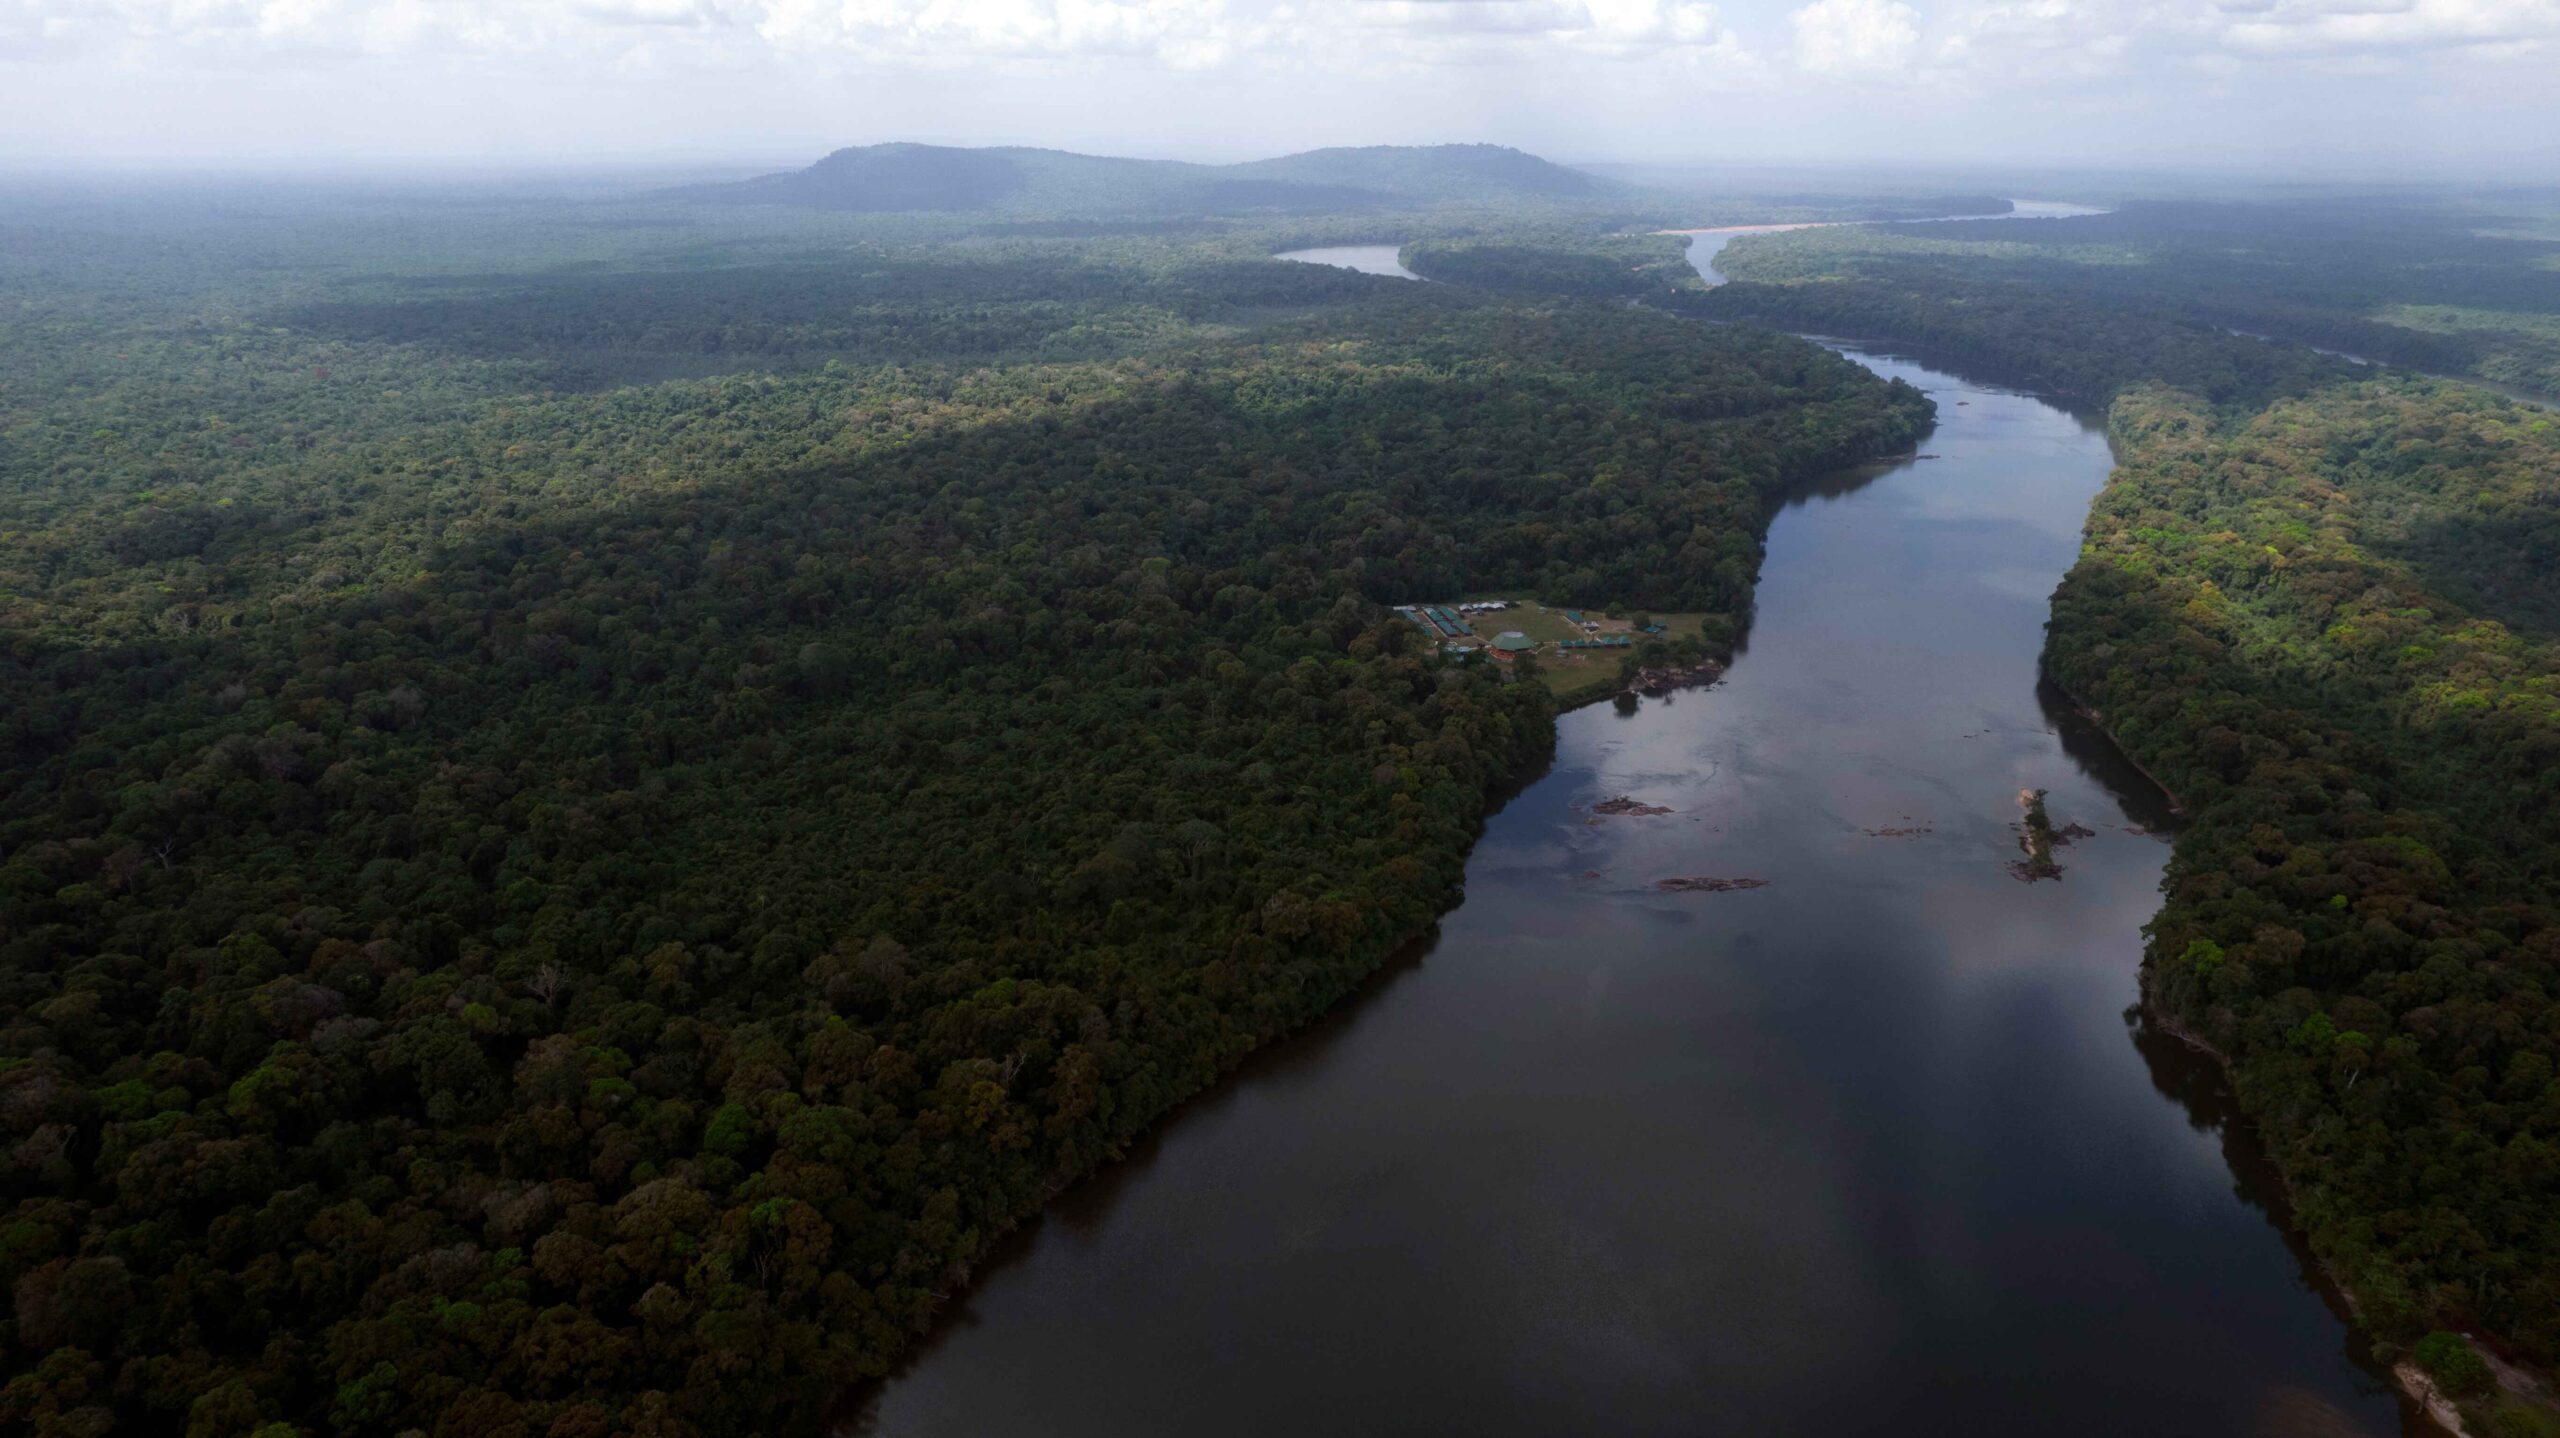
{"x":539,"y":898}
{"x":2321,"y":607}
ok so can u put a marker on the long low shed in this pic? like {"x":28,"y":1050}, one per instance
{"x":1438,"y":619}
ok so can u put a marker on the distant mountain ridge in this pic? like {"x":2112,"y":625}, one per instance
{"x":901,"y":177}
{"x":1430,"y":171}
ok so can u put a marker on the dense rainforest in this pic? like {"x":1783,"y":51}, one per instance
{"x":2455,"y":288}
{"x":591,"y":803}
{"x":2326,"y":626}
{"x":2323,"y":607}
{"x":599,"y":792}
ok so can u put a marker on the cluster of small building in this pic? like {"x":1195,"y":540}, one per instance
{"x":1448,"y":624}
{"x":1589,"y":625}
{"x":1437,"y":619}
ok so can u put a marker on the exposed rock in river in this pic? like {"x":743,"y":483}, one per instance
{"x":1708,"y":886}
{"x":1663,"y":681}
{"x":1624,"y":805}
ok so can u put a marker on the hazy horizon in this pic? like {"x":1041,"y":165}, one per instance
{"x":2418,"y":89}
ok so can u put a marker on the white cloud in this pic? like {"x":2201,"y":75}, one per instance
{"x":1659,"y":22}
{"x":2103,"y":46}
{"x":1855,"y":37}
{"x":683,"y":14}
{"x":2331,"y":27}
{"x":1986,"y":40}
{"x":1367,"y":36}
{"x":1185,"y":33}
{"x":1245,"y":77}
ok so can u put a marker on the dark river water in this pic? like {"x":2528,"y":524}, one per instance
{"x":1874,"y":1149}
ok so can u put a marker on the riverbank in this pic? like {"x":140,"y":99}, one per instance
{"x":2400,"y":1383}
{"x":1764,"y":229}
{"x":2521,"y":395}
{"x":1651,"y":1154}
{"x":1384,"y":260}
{"x":1344,"y":977}
{"x":2270,"y":993}
{"x":2419,"y":1390}
{"x":2427,"y":1404}
{"x":2098,"y":722}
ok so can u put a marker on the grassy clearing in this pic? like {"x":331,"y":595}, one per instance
{"x":1566,"y":672}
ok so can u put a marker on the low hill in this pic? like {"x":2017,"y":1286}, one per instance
{"x":1438,"y":172}
{"x":905,"y":177}
{"x":887,"y":177}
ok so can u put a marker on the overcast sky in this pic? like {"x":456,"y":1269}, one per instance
{"x":2333,"y":85}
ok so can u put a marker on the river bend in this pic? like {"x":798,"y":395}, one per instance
{"x":1875,"y":1148}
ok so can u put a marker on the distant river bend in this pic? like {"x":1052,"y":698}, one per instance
{"x":1367,"y":259}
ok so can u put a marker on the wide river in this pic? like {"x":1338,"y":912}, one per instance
{"x":1874,"y":1149}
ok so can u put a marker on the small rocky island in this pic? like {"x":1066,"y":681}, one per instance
{"x":1622,"y":805}
{"x":1662,"y":680}
{"x":2038,"y":838}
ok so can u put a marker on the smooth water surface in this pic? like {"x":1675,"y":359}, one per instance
{"x":2034,"y":210}
{"x":1705,"y":245}
{"x":1367,"y":259}
{"x":1871,"y":1150}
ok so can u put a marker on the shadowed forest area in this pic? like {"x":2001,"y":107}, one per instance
{"x":602,"y":790}
{"x":665,"y":663}
{"x":592,"y":807}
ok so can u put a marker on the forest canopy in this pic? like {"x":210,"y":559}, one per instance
{"x":2326,"y":625}
{"x":577,"y":837}
{"x":2445,"y":288}
{"x":2319,"y":603}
